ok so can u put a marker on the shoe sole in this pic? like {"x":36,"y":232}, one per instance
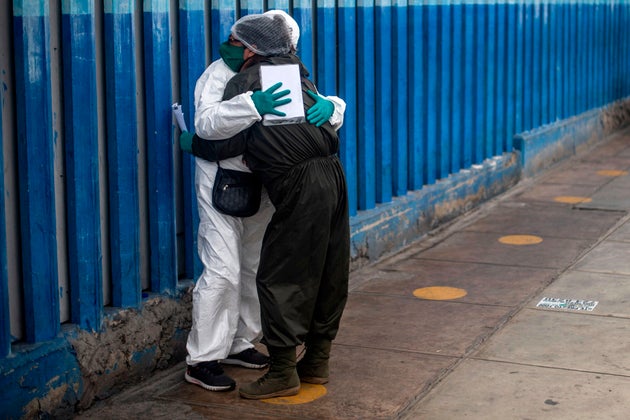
{"x":192,"y":380}
{"x":314,"y":380}
{"x":282,"y":393}
{"x":237,"y":362}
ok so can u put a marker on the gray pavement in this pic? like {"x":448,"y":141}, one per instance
{"x":519,"y":310}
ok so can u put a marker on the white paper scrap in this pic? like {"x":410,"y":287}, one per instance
{"x":179,"y":116}
{"x":569,"y":304}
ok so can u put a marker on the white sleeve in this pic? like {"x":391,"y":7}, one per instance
{"x":336,"y":119}
{"x":216,"y":119}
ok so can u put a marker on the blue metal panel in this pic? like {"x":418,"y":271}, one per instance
{"x":278,"y":4}
{"x":5,"y":315}
{"x":457,"y":96}
{"x":223,"y":16}
{"x":588,"y":52}
{"x":528,"y":67}
{"x":365,"y":104}
{"x":545,"y":72}
{"x":192,"y":63}
{"x":303,"y":15}
{"x":565,"y":78}
{"x":348,"y":91}
{"x":122,"y":151}
{"x":468,"y":99}
{"x":582,"y":39}
{"x":417,"y":83}
{"x":510,"y":60}
{"x":325,"y":76}
{"x":252,"y":6}
{"x":623,"y":53}
{"x":571,"y":64}
{"x":481,"y":36}
{"x":82,"y":176}
{"x":400,"y":98}
{"x":536,"y":66}
{"x":35,"y":170}
{"x":555,"y":21}
{"x":383,"y":98}
{"x":491,"y":81}
{"x":445,"y":84}
{"x":597,"y":62}
{"x":431,"y":29}
{"x":603,"y":47}
{"x":501,"y":76}
{"x":519,"y":75}
{"x":609,"y":75}
{"x":160,"y":174}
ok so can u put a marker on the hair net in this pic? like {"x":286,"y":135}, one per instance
{"x":263,"y":34}
{"x":294,"y":29}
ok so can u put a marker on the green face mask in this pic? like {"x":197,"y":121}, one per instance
{"x":232,"y":55}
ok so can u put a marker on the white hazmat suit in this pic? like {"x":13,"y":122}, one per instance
{"x":226,"y":312}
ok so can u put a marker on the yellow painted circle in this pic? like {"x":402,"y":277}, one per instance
{"x":612,"y":173}
{"x":307,"y":394}
{"x":520,"y":240}
{"x":439,"y":293}
{"x":572,"y":199}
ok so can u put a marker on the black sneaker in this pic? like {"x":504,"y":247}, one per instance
{"x":250,"y":358}
{"x":209,"y":375}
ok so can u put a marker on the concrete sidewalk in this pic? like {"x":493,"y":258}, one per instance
{"x":452,"y":328}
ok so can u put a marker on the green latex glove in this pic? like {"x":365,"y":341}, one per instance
{"x":185,"y":141}
{"x":321,"y":110}
{"x":267,"y":101}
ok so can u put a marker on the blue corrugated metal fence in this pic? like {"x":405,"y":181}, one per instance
{"x":432,"y":88}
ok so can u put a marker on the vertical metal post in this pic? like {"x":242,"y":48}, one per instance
{"x":325,"y":75}
{"x":122,"y":153}
{"x":161,"y":182}
{"x":82,"y":175}
{"x":192,"y":62}
{"x":481,"y":35}
{"x":445,"y":83}
{"x":417,"y":82}
{"x":490,"y":76}
{"x":430,"y":36}
{"x":303,"y":15}
{"x":5,"y":314}
{"x":223,"y":16}
{"x":383,"y":99}
{"x":511,"y":52}
{"x":457,"y":93}
{"x":35,"y":169}
{"x":545,"y":71}
{"x":348,"y":92}
{"x":400,"y":119}
{"x":365,"y":104}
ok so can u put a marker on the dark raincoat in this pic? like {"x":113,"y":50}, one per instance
{"x":302,"y":279}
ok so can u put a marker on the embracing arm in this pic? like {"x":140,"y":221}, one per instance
{"x":214,"y":151}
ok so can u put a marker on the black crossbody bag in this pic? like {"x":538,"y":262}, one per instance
{"x":236,"y":193}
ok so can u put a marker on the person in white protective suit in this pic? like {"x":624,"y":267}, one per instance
{"x":226,"y":312}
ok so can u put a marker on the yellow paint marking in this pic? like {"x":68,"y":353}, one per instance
{"x":572,"y":199}
{"x":308,"y":393}
{"x":612,"y":172}
{"x":520,"y":240}
{"x":439,"y":293}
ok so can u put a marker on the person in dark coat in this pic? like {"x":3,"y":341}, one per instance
{"x":302,"y":278}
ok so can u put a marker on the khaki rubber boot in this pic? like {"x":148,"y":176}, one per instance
{"x":313,"y":367}
{"x":281,"y":380}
